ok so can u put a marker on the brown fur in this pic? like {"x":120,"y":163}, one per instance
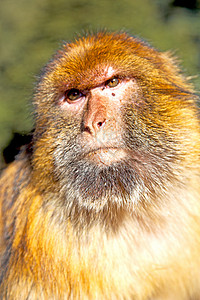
{"x":67,"y":233}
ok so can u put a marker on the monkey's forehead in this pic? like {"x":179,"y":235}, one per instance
{"x":89,"y":60}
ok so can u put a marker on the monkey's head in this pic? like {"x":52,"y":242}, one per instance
{"x":115,"y":123}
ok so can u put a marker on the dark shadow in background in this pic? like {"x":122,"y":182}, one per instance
{"x":15,"y":145}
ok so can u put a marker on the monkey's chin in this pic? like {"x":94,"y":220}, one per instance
{"x":106,"y":156}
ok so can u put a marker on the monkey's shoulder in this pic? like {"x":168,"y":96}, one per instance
{"x":14,"y":179}
{"x":15,"y":175}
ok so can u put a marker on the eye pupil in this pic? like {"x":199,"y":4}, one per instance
{"x":113,"y":82}
{"x":74,"y":94}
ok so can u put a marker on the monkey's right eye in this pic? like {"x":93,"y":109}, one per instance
{"x":73,"y":94}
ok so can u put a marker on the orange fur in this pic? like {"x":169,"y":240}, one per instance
{"x":144,"y":245}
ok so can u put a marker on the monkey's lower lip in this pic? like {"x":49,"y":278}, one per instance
{"x":106,"y":155}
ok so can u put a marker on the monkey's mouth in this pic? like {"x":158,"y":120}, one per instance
{"x":106,"y":155}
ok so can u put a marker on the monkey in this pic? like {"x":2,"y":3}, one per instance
{"x":104,"y":201}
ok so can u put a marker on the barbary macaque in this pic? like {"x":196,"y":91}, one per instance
{"x":104,"y":203}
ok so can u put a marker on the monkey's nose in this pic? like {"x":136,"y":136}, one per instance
{"x":94,"y":123}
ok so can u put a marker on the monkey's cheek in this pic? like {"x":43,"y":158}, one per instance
{"x":107,"y":156}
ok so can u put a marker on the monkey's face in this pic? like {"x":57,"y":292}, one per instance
{"x":107,"y":108}
{"x":98,"y":113}
{"x":93,"y":160}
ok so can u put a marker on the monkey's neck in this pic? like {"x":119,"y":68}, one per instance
{"x":90,"y":247}
{"x":150,"y":214}
{"x":84,"y":247}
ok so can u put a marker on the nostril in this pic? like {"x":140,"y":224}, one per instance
{"x":99,"y":124}
{"x":87,"y":129}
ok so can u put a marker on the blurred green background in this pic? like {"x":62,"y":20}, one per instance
{"x":31,"y":31}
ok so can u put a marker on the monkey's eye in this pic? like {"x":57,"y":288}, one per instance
{"x":73,"y":94}
{"x":112,"y":82}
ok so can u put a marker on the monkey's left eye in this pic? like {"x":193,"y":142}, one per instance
{"x":73,"y":94}
{"x":112,"y":82}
